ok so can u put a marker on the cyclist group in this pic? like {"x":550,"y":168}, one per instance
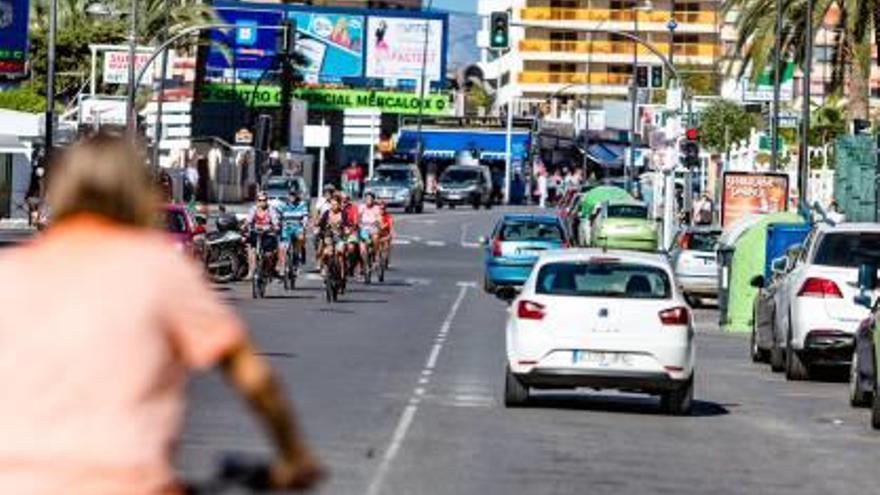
{"x":354,"y":236}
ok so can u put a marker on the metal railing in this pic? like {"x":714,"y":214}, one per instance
{"x":615,"y":47}
{"x":621,"y":15}
{"x":542,"y":77}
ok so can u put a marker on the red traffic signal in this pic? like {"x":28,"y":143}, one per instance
{"x":692,"y":134}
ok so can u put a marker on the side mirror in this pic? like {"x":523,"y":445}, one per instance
{"x":483,"y":241}
{"x":507,"y":294}
{"x":780,"y":265}
{"x":867,"y":277}
{"x":794,"y":252}
{"x":757,"y":282}
{"x":863,"y":300}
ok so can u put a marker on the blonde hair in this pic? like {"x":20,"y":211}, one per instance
{"x":104,"y":175}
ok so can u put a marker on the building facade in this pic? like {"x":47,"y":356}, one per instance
{"x":365,"y":4}
{"x":553,"y":59}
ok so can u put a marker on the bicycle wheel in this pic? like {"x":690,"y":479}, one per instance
{"x":381,"y":267}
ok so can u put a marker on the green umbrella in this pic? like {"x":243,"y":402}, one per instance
{"x":599,"y":195}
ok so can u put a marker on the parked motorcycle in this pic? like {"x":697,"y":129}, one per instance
{"x":225,"y":251}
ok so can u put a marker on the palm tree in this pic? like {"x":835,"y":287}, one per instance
{"x":855,"y":22}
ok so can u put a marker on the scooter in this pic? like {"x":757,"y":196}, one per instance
{"x":226,"y":251}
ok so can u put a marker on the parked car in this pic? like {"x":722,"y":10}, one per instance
{"x":515,"y":245}
{"x":695,"y":263}
{"x":278,"y":189}
{"x":864,"y":383}
{"x":764,"y":315}
{"x":603,"y":320}
{"x":624,"y":225}
{"x":465,"y":185}
{"x":398,"y":185}
{"x":183,"y":229}
{"x":816,"y":315}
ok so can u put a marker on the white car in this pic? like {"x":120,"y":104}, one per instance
{"x":816,"y":315}
{"x":603,"y":320}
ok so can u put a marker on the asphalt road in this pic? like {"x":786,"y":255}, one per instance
{"x":399,"y":387}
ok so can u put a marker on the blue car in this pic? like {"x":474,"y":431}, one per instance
{"x":515,"y":245}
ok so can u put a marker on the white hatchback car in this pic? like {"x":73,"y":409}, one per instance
{"x":603,"y":320}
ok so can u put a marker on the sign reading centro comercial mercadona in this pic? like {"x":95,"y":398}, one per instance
{"x":331,"y":99}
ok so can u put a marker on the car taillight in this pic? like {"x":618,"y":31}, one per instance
{"x":685,"y":241}
{"x":820,"y":287}
{"x":675,"y":316}
{"x":496,"y":247}
{"x":529,"y":310}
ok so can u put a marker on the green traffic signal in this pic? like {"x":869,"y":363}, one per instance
{"x":499,"y":38}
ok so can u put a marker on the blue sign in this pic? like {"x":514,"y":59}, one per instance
{"x":13,"y":36}
{"x":246,"y":50}
{"x":332,"y":44}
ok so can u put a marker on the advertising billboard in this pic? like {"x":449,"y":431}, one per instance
{"x":332,"y":44}
{"x":247,"y":50}
{"x":397,"y":46}
{"x":13,"y":37}
{"x":746,"y":193}
{"x":116,"y":67}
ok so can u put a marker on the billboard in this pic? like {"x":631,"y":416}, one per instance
{"x":397,"y":46}
{"x":13,"y":36}
{"x":746,"y":193}
{"x":332,"y":44}
{"x":116,"y":67}
{"x":339,"y":45}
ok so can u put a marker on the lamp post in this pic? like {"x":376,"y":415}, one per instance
{"x":419,"y":146}
{"x":50,"y":77}
{"x":634,"y":88}
{"x":774,"y":123}
{"x":803,"y":158}
{"x":130,"y":120}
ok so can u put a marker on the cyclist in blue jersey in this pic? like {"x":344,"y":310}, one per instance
{"x":294,"y":217}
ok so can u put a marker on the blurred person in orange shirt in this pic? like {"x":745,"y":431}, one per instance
{"x":102,"y":323}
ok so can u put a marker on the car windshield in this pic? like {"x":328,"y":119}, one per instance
{"x":627,"y":211}
{"x":703,"y":241}
{"x":175,"y":222}
{"x":849,"y":249}
{"x":530,"y":231}
{"x":392,"y":175}
{"x":593,"y":279}
{"x":460,"y":175}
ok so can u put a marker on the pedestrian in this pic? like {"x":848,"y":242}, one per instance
{"x":835,"y":213}
{"x":115,"y":351}
{"x":191,"y":180}
{"x":567,"y":180}
{"x":703,"y":210}
{"x":553,"y":186}
{"x":542,"y":188}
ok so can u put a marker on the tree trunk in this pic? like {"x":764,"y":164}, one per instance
{"x":859,"y":83}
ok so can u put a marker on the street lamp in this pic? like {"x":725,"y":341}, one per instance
{"x":803,"y":158}
{"x":647,"y":6}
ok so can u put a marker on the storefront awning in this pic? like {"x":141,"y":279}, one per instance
{"x":607,"y":155}
{"x":491,"y":145}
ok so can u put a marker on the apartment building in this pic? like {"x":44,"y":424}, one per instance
{"x":365,"y":4}
{"x":553,"y":59}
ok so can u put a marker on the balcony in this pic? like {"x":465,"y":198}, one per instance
{"x":599,"y":78}
{"x":600,"y":15}
{"x":616,"y":48}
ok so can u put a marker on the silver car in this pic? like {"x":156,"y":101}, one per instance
{"x":695,"y":263}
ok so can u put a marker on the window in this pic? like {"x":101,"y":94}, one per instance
{"x":563,"y":36}
{"x":526,"y":231}
{"x":620,"y":69}
{"x":603,"y":279}
{"x":627,"y":211}
{"x":566,"y":68}
{"x":848,"y":249}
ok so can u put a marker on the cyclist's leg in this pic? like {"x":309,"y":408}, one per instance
{"x":251,"y":254}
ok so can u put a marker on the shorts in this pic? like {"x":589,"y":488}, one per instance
{"x":269,"y":240}
{"x":367,"y":233}
{"x":337,"y":242}
{"x":291,"y":231}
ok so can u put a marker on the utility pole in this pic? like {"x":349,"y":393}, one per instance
{"x":804,"y":158}
{"x":50,"y":78}
{"x":288,"y":35}
{"x":419,"y":145}
{"x":157,"y":128}
{"x":774,"y":116}
{"x":130,"y":118}
{"x":635,"y":98}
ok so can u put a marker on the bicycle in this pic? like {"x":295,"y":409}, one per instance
{"x":264,"y":268}
{"x":333,"y":280}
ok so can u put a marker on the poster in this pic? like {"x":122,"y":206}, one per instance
{"x":116,"y":68}
{"x":746,"y":193}
{"x":396,"y":47}
{"x":247,"y":49}
{"x":13,"y":37}
{"x":332,"y":45}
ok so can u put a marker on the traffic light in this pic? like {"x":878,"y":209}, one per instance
{"x":287,"y":38}
{"x":499,"y":36}
{"x":690,"y":150}
{"x":642,"y":76}
{"x":656,"y":76}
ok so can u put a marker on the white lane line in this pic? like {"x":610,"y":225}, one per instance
{"x":400,"y":242}
{"x":436,"y":243}
{"x":406,"y":419}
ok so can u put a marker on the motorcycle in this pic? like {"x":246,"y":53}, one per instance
{"x":226,"y":251}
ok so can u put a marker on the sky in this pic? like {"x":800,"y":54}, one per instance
{"x":454,"y":5}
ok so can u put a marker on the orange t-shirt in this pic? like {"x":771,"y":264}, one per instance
{"x":99,"y":327}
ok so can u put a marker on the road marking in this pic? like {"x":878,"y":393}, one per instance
{"x":409,"y":412}
{"x":401,"y":242}
{"x":436,"y":243}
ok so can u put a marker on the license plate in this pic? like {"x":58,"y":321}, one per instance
{"x":455,"y":196}
{"x":602,"y":359}
{"x":530,"y":252}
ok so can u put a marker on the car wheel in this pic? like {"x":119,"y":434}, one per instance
{"x":858,"y":395}
{"x":875,"y":403}
{"x":515,"y":393}
{"x":487,"y":286}
{"x":439,"y":204}
{"x":451,"y":206}
{"x":678,"y":402}
{"x":758,"y":355}
{"x":420,"y":207}
{"x":777,"y":357}
{"x":795,"y":368}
